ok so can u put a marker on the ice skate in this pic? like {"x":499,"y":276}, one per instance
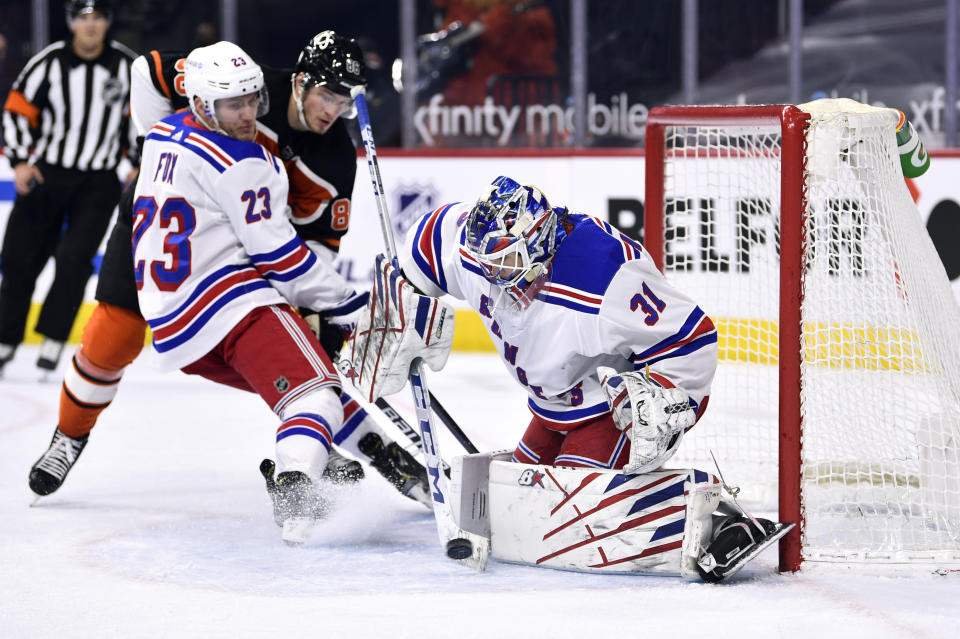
{"x":50,"y":352}
{"x":398,"y":467}
{"x":297,"y":502}
{"x":341,"y":470}
{"x":736,"y":541}
{"x":6,"y":354}
{"x":48,"y":473}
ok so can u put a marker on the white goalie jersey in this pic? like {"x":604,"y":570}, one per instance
{"x":604,"y":304}
{"x":212,"y":241}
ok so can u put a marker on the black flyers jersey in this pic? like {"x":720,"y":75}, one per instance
{"x":321,"y":168}
{"x":166,"y":72}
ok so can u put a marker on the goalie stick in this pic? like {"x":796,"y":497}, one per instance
{"x":470,"y":548}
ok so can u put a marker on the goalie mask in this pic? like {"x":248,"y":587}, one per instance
{"x":222,"y":71}
{"x":333,"y":62}
{"x":513,"y":233}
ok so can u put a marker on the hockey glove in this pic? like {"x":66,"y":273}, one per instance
{"x":653,"y":417}
{"x":345,"y":316}
{"x":330,"y":337}
{"x":397,"y":326}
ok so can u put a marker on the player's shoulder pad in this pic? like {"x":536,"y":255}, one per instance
{"x":220,"y":151}
{"x":429,"y":242}
{"x":591,"y":254}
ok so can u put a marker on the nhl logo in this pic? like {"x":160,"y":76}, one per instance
{"x":112,"y":91}
{"x":412,"y":201}
{"x":281,"y":384}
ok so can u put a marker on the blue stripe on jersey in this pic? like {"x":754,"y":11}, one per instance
{"x":467,"y":266}
{"x":277,"y":253}
{"x":435,"y":242}
{"x":199,"y":290}
{"x":295,"y":273}
{"x":568,"y":303}
{"x":235,"y":149}
{"x":695,"y":345}
{"x":574,"y":415}
{"x":203,"y":155}
{"x":692,"y":320}
{"x":674,"y":490}
{"x":201,"y":320}
{"x":669,"y":530}
{"x":350,"y":305}
{"x":699,"y":476}
{"x":588,"y":258}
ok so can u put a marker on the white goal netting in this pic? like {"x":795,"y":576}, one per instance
{"x":880,"y":354}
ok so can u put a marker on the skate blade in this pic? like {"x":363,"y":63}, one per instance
{"x":296,"y":530}
{"x":782,"y":530}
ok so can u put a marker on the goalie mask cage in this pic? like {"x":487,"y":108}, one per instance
{"x":837,"y":397}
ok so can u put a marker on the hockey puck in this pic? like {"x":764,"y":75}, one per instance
{"x":459,"y":548}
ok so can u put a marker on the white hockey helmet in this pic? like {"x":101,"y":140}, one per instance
{"x":222,"y":70}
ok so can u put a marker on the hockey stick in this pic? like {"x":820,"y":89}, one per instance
{"x":409,"y":431}
{"x":470,"y":548}
{"x":452,"y":425}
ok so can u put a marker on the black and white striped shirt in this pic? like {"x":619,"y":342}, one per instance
{"x":73,"y":113}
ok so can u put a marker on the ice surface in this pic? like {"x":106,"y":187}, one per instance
{"x":164,"y":529}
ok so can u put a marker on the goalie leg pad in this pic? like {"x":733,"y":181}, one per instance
{"x":599,"y":520}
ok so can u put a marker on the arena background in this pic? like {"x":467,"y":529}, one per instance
{"x":556,"y":92}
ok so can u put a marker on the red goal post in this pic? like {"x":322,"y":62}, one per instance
{"x":780,"y":218}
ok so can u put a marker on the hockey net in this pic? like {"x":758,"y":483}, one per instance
{"x":837,"y":398}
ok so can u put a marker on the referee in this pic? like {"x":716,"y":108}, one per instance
{"x":65,"y":126}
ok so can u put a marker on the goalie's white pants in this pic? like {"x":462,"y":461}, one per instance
{"x":585,"y":519}
{"x":310,"y":424}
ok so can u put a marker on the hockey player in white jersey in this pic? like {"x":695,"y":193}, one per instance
{"x":304,"y":129}
{"x":218,"y":265}
{"x":617,"y":363}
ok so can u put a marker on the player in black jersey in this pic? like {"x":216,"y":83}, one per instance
{"x":305,"y":130}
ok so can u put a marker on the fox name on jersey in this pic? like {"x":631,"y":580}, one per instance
{"x":211,"y":241}
{"x":604,"y":303}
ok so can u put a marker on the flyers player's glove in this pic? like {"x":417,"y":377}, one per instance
{"x":398,"y":325}
{"x":330,"y":337}
{"x":345,"y":315}
{"x":653,"y":417}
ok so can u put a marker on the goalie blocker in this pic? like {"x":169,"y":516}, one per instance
{"x":668,"y":522}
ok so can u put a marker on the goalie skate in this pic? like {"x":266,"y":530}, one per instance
{"x":733,"y":546}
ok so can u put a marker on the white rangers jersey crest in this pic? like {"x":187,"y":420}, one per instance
{"x":211,"y":240}
{"x":605,"y":303}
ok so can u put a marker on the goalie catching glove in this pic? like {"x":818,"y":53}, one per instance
{"x":653,"y":417}
{"x":398,"y":325}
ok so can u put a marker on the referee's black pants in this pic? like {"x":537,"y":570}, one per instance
{"x":66,"y":217}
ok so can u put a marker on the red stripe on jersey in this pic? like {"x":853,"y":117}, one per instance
{"x":426,"y":242}
{"x":285,"y":263}
{"x":207,"y":145}
{"x":208,"y":296}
